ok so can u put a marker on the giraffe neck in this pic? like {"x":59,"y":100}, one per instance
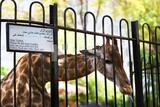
{"x":22,"y":83}
{"x":40,"y":67}
{"x":72,"y":67}
{"x":75,"y":67}
{"x":23,"y":74}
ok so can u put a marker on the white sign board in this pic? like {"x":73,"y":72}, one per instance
{"x":29,"y":38}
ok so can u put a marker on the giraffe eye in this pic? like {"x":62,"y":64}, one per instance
{"x":108,"y":61}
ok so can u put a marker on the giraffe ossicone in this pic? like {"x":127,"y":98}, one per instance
{"x":106,"y":58}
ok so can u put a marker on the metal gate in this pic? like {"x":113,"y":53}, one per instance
{"x":139,"y":57}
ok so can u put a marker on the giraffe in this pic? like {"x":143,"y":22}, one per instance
{"x":85,"y":65}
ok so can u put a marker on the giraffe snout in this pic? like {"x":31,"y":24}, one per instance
{"x":126,"y":89}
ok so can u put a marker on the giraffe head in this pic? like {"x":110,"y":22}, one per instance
{"x":108,"y":55}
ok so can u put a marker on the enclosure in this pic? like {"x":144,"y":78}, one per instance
{"x":137,"y":45}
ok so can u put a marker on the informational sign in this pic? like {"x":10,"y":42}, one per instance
{"x":29,"y":38}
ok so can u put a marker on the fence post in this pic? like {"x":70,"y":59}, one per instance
{"x":54,"y":57}
{"x":137,"y":64}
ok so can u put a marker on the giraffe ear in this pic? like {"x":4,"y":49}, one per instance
{"x":92,"y":52}
{"x":87,"y":52}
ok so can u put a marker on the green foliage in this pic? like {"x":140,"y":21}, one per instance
{"x":4,"y":71}
{"x":92,"y":87}
{"x":80,"y":6}
{"x":143,"y":10}
{"x":100,"y":89}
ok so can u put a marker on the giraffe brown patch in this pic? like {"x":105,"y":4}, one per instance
{"x":6,"y":87}
{"x":25,"y":70}
{"x":89,"y":65}
{"x":23,"y":78}
{"x":26,"y":94}
{"x":7,"y":99}
{"x":72,"y":74}
{"x":21,"y":99}
{"x":71,"y":65}
{"x":9,"y":93}
{"x":80,"y":65}
{"x":21,"y":88}
{"x":36,"y":97}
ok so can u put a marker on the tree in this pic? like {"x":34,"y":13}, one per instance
{"x":80,"y":6}
{"x":143,"y":10}
{"x":146,"y":11}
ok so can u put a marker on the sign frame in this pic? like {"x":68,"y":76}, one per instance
{"x":28,"y":46}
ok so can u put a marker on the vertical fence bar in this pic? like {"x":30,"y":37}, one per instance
{"x":86,"y":64}
{"x":144,"y":64}
{"x":105,"y":80}
{"x":129,"y":51}
{"x":75,"y":51}
{"x":137,"y":64}
{"x":54,"y":57}
{"x":95,"y":61}
{"x":30,"y":62}
{"x":121,"y":50}
{"x":113,"y":58}
{"x":65,"y":59}
{"x":0,"y":45}
{"x":151,"y":67}
{"x":157,"y":64}
{"x":42,"y":57}
{"x":14,"y":58}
